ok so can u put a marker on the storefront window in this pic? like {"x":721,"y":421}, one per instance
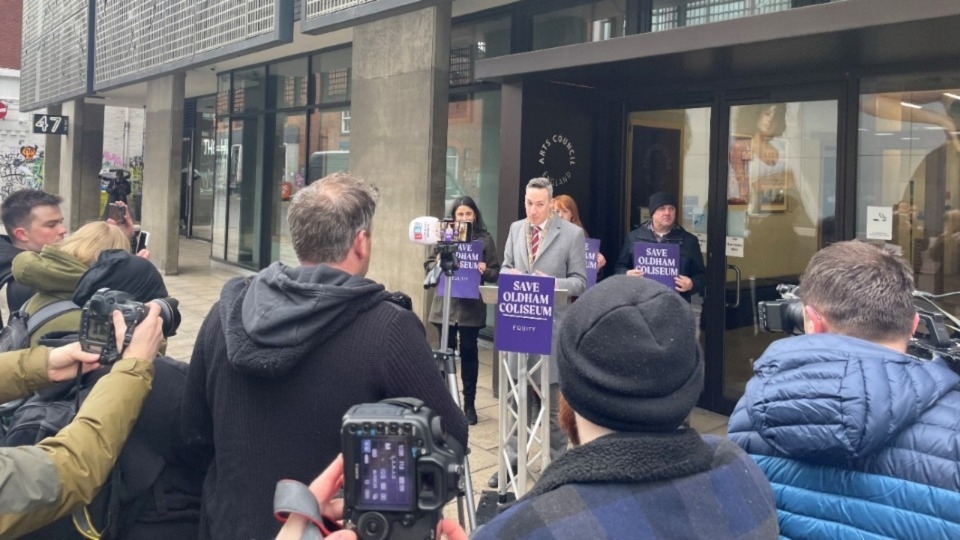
{"x":219,"y":219}
{"x":329,"y":143}
{"x":201,"y":185}
{"x":908,"y":185}
{"x":223,"y":94}
{"x":473,"y":152}
{"x":248,"y":89}
{"x":288,"y":176}
{"x":244,"y":187}
{"x":594,"y":21}
{"x":472,"y":42}
{"x":331,"y":76}
{"x":288,"y":84}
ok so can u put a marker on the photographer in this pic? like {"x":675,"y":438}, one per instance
{"x":844,"y":413}
{"x":41,"y":483}
{"x":467,"y":315}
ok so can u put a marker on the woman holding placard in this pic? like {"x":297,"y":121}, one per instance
{"x":468,"y":315}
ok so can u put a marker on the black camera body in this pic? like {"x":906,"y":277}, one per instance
{"x":782,"y":315}
{"x":97,"y":334}
{"x":399,"y":469}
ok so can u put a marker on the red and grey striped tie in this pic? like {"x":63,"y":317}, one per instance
{"x":534,"y":240}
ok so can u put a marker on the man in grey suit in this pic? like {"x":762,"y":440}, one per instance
{"x":545,"y":245}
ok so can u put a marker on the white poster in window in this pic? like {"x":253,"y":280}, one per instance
{"x":879,"y":223}
{"x":702,"y":238}
{"x":734,"y":246}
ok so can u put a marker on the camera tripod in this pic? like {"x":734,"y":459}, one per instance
{"x":448,"y":366}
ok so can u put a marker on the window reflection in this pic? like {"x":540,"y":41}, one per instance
{"x":909,"y":177}
{"x":473,"y":42}
{"x":289,"y":176}
{"x":595,"y":21}
{"x":329,"y":144}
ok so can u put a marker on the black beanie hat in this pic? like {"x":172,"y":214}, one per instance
{"x":628,"y":356}
{"x":659,"y":199}
{"x":121,"y":270}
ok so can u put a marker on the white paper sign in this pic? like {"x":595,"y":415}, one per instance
{"x":734,"y":246}
{"x":879,"y":223}
{"x":703,"y":242}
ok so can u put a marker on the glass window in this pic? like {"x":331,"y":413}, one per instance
{"x":594,"y":21}
{"x":243,"y":188}
{"x":781,"y":200}
{"x":472,"y":42}
{"x":908,"y":185}
{"x":248,"y":90}
{"x":288,"y":177}
{"x":331,"y":76}
{"x":223,"y":93}
{"x":201,"y":197}
{"x":667,"y":14}
{"x":473,"y":152}
{"x":220,"y":189}
{"x":329,"y":145}
{"x":288,"y":84}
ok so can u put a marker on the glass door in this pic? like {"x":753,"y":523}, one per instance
{"x":778,"y":160}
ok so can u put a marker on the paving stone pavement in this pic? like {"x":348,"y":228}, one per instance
{"x":198,"y":285}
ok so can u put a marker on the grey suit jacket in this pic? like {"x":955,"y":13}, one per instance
{"x":562,"y":255}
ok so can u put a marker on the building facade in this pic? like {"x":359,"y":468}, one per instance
{"x":780,"y":125}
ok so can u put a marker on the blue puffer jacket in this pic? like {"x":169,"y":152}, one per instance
{"x":838,"y":401}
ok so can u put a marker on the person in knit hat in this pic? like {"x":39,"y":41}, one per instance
{"x":662,"y":227}
{"x":631,"y":371}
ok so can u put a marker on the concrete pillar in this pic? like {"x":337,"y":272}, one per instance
{"x":160,"y":209}
{"x":81,"y":154}
{"x":51,"y":156}
{"x":398,"y":139}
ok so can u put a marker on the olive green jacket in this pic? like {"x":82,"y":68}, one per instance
{"x":54,"y":275}
{"x":42,"y":483}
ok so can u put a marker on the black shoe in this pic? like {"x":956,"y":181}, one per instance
{"x":471,"y":414}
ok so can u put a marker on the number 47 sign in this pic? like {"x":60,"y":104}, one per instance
{"x":49,"y":124}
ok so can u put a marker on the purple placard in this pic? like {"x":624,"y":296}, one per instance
{"x":593,"y":248}
{"x":659,"y":261}
{"x":466,"y":279}
{"x":524,"y":313}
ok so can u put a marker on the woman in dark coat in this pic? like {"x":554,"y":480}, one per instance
{"x":467,"y":315}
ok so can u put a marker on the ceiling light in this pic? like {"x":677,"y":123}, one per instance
{"x":911,"y":105}
{"x":954,"y":96}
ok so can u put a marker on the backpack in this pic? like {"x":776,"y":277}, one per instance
{"x":149,"y":494}
{"x":20,"y":328}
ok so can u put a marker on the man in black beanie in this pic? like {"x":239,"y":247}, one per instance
{"x":663,"y":227}
{"x":630,"y":372}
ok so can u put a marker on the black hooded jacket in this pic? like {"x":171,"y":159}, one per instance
{"x":17,"y":294}
{"x":278,"y":361}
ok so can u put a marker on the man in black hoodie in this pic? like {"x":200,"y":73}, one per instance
{"x":32,"y":219}
{"x":283,"y":355}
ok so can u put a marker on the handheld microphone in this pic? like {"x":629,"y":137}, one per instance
{"x":425,"y":230}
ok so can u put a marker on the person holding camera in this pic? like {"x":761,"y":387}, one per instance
{"x":842,"y":418}
{"x":41,"y":483}
{"x":284,"y":354}
{"x":467,"y":315}
{"x":54,"y":272}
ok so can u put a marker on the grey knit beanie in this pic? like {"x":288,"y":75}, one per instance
{"x":628,"y":356}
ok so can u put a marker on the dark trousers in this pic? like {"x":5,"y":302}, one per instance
{"x":469,"y":357}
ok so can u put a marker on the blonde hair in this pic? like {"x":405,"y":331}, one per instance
{"x":89,"y":241}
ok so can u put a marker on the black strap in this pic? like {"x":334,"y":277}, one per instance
{"x":48,"y":313}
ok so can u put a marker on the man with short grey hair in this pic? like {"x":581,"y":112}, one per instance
{"x":284,"y":354}
{"x":545,"y":245}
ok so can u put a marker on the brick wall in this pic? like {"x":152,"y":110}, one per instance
{"x":11,"y":14}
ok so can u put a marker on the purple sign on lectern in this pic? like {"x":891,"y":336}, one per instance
{"x":659,"y":261}
{"x":524,"y":314}
{"x":593,"y":248}
{"x":466,"y":279}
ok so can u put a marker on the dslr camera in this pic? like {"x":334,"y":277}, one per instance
{"x":784,"y":314}
{"x":97,"y":334}
{"x":399,"y":469}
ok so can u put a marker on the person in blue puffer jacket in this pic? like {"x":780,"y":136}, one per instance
{"x":858,"y":438}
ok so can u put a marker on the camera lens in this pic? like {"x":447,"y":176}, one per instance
{"x":169,"y":314}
